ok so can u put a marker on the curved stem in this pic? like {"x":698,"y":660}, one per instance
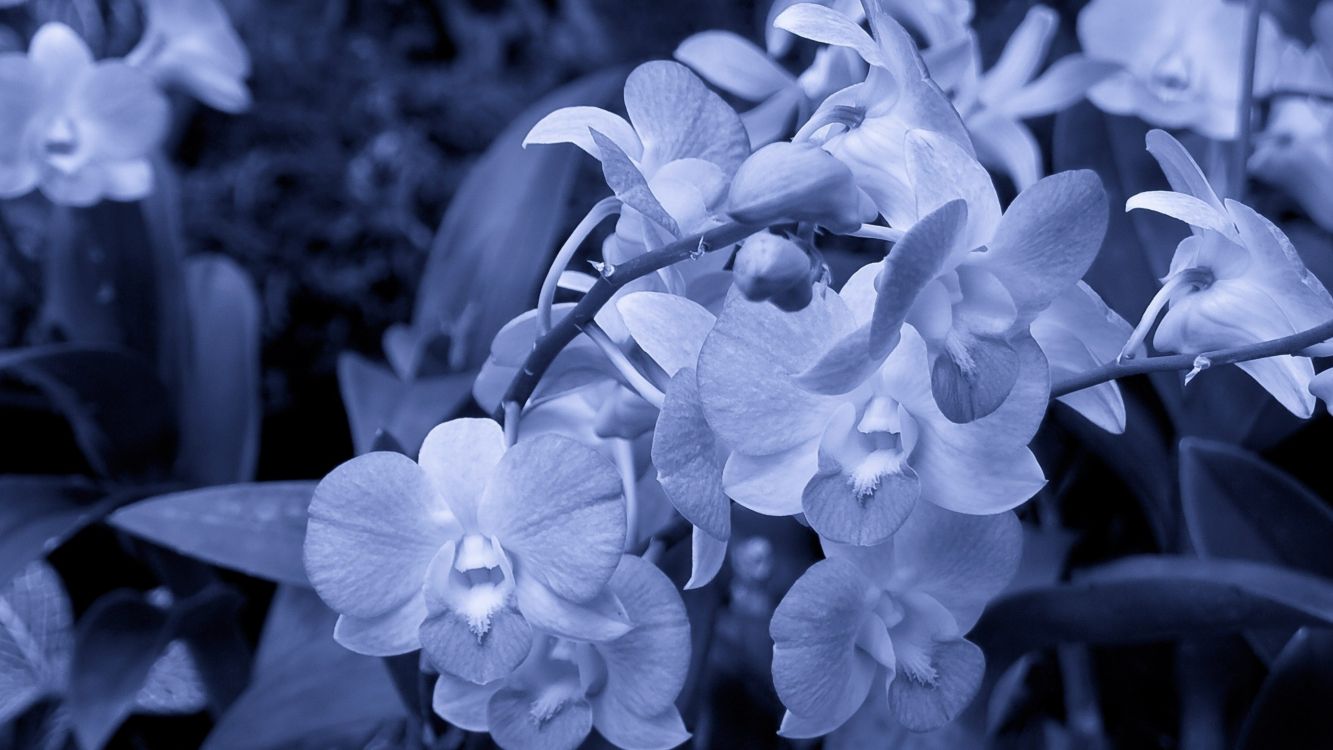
{"x":547,"y":346}
{"x":877,"y":232}
{"x":627,"y":370}
{"x":546,"y":297}
{"x":1111,"y":371}
{"x":1245,"y":113}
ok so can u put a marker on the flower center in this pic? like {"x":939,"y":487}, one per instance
{"x":476,"y":584}
{"x":1171,"y":77}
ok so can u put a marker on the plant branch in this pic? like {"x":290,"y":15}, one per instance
{"x":1113,"y":370}
{"x":1245,"y":113}
{"x":612,"y":278}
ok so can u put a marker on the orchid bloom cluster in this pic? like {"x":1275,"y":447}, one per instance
{"x":892,"y":415}
{"x":82,"y":130}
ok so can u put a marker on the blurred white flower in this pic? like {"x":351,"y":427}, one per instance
{"x":191,"y":45}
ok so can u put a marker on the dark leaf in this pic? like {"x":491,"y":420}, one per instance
{"x":1292,"y":707}
{"x":378,"y":400}
{"x":305,"y":684}
{"x":37,"y":514}
{"x":120,"y":412}
{"x":258,"y":529}
{"x":117,"y":643}
{"x":1153,"y":598}
{"x":220,"y":411}
{"x":497,"y":238}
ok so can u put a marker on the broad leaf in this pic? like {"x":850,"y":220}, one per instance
{"x":305,"y":684}
{"x":1238,"y":505}
{"x":37,"y":514}
{"x":1292,"y":707}
{"x":220,"y":411}
{"x":119,"y":410}
{"x":379,"y":400}
{"x":35,"y":638}
{"x":118,"y":641}
{"x":1153,"y":598}
{"x":258,"y":529}
{"x":497,"y":237}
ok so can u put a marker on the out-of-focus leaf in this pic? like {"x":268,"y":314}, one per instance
{"x":1141,"y":458}
{"x":173,"y":685}
{"x":1238,"y":505}
{"x":37,"y":514}
{"x":258,"y":528}
{"x":305,"y":684}
{"x":118,"y":640}
{"x":377,"y":399}
{"x":496,"y":240}
{"x":118,"y":408}
{"x":113,"y":274}
{"x":1292,"y":707}
{"x":1153,"y":598}
{"x":220,"y":410}
{"x":35,"y":638}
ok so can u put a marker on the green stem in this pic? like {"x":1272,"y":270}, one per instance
{"x":1114,"y":370}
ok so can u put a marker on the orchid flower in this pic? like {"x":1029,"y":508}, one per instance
{"x":687,"y":454}
{"x":995,"y":104}
{"x":1077,"y":333}
{"x":892,"y":615}
{"x":624,"y":687}
{"x":985,"y":274}
{"x":864,"y":125}
{"x":669,"y":165}
{"x":190,"y":44}
{"x":1236,"y":280}
{"x":739,"y":67}
{"x":856,"y":463}
{"x":471,"y":552}
{"x":1181,"y":60}
{"x":1295,"y":149}
{"x":77,"y":129}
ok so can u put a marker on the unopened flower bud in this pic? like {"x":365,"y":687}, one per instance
{"x":773,"y":268}
{"x":784,"y":182}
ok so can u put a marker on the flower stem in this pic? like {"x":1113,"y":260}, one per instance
{"x":1240,"y":156}
{"x":596,"y":215}
{"x":549,"y":345}
{"x":636,"y":380}
{"x":1113,"y":370}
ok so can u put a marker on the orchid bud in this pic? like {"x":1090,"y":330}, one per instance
{"x":784,"y":182}
{"x":773,"y":268}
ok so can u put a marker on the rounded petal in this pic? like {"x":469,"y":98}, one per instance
{"x":678,"y":117}
{"x":734,"y":64}
{"x":688,"y":460}
{"x":983,"y":466}
{"x":943,"y":171}
{"x":633,"y":732}
{"x":670,"y":328}
{"x":574,"y":125}
{"x":122,"y":113}
{"x":646,"y":667}
{"x":747,"y":365}
{"x":463,"y":703}
{"x":514,"y":726}
{"x":556,"y":506}
{"x":60,"y":55}
{"x":389,"y":634}
{"x":599,"y":619}
{"x":814,"y":629}
{"x":455,"y":646}
{"x":1048,"y":238}
{"x":771,"y":484}
{"x":459,"y":456}
{"x":921,"y":707}
{"x":375,"y":525}
{"x":961,"y":560}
